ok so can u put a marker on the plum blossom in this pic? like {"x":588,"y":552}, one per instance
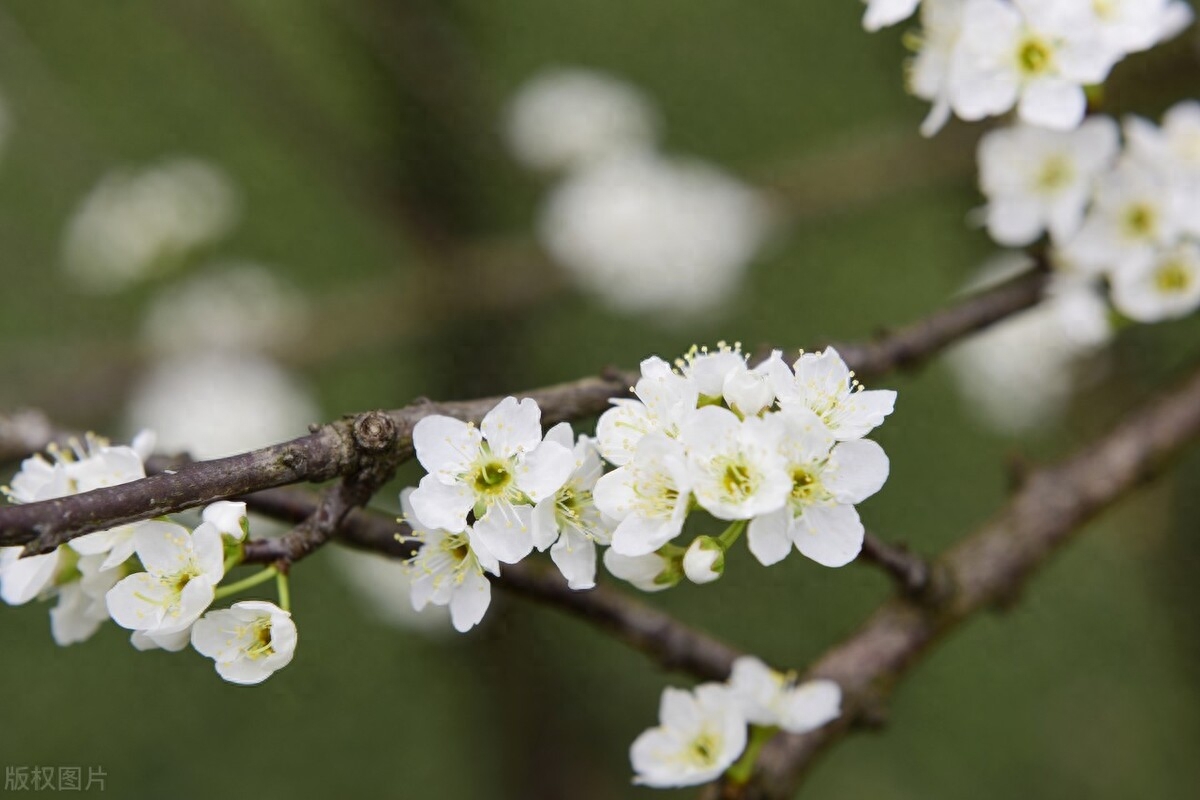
{"x":1034,"y":54}
{"x":735,"y":468}
{"x":1037,"y":179}
{"x":929,"y":76}
{"x":448,"y":569}
{"x":700,"y":734}
{"x":650,"y":573}
{"x":1165,"y":288}
{"x":649,"y":497}
{"x":499,"y":471}
{"x":182,"y":571}
{"x":772,"y":699}
{"x":822,"y":383}
{"x":568,"y":521}
{"x":827,"y":480}
{"x":704,"y":560}
{"x":249,"y":641}
{"x":665,"y":399}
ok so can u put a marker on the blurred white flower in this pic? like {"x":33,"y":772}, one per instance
{"x":1034,"y":54}
{"x":700,"y":734}
{"x":644,"y":233}
{"x":1018,"y":375}
{"x":234,"y":306}
{"x":383,"y":587}
{"x":564,"y":118}
{"x":1173,"y":151}
{"x":1129,"y":26}
{"x":1166,"y":288}
{"x":1037,"y":179}
{"x":217,"y":404}
{"x":882,"y":13}
{"x":137,"y":222}
{"x":929,"y":72}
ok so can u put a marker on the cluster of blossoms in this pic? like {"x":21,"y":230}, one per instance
{"x":702,"y":734}
{"x":773,"y":450}
{"x":980,"y":58}
{"x":155,"y":578}
{"x":1130,"y":215}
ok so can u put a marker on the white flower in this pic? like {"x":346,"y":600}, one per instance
{"x":249,"y":641}
{"x":1038,"y":180}
{"x":824,"y":384}
{"x":882,"y":13}
{"x":182,"y":571}
{"x":650,"y":573}
{"x":827,"y":480}
{"x":81,"y":604}
{"x":569,"y":519}
{"x":736,"y":469}
{"x":771,"y":699}
{"x":704,"y":560}
{"x":700,"y":735}
{"x":448,"y":569}
{"x":1135,"y":215}
{"x":1166,"y":288}
{"x":723,"y":374}
{"x":23,"y":579}
{"x":646,"y":234}
{"x":1172,"y":151}
{"x":649,"y":496}
{"x":1036,"y":54}
{"x":233,"y":307}
{"x":229,"y":518}
{"x":497,"y":470}
{"x":1130,"y":26}
{"x":929,"y":73}
{"x":665,"y":400}
{"x":134,"y":223}
{"x":215,"y":404}
{"x":1019,"y":374}
{"x":565,"y":118}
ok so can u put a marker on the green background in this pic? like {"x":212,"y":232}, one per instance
{"x":362,"y":135}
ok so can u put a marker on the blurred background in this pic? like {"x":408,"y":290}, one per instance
{"x":225,"y":220}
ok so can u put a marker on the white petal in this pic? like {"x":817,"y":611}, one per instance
{"x":811,"y":705}
{"x":544,"y":470}
{"x":1053,"y":103}
{"x":856,"y":470}
{"x":575,"y":557}
{"x":639,"y":536}
{"x":507,"y":531}
{"x":830,"y":535}
{"x":513,"y":427}
{"x":164,"y":548}
{"x":228,"y":517}
{"x":438,"y":505}
{"x":470,"y":602}
{"x":544,"y":524}
{"x":445,"y":446}
{"x":23,"y":579}
{"x":768,"y":537}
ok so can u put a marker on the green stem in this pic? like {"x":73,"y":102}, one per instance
{"x":233,"y":558}
{"x":731,"y":534}
{"x":740,"y":772}
{"x":254,"y":580}
{"x":285,"y":597}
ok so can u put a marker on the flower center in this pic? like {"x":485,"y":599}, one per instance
{"x":1172,"y":278}
{"x":262,"y":640}
{"x":704,"y":749}
{"x":1140,"y":221}
{"x":492,"y":477}
{"x":806,"y":488}
{"x":737,"y":480}
{"x":1056,"y":173}
{"x":1034,"y":56}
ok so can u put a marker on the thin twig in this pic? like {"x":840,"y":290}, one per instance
{"x":907,"y":569}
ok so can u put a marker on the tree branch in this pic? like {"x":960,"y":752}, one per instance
{"x":986,"y":570}
{"x":331,"y":452}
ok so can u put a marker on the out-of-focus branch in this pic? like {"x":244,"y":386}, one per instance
{"x":330,"y":451}
{"x":985,"y":570}
{"x":907,"y":569}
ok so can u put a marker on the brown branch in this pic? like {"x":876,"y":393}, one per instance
{"x":330,"y":451}
{"x":910,"y":572}
{"x":664,"y":639}
{"x":986,"y":570}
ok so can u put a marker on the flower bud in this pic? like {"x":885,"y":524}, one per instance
{"x":650,"y":573}
{"x":704,"y":560}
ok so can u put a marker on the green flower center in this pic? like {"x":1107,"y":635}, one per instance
{"x":704,"y":749}
{"x":1172,"y":278}
{"x":1140,"y":220}
{"x":1056,"y":173}
{"x":1034,"y":56}
{"x":492,"y":477}
{"x":737,"y":480}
